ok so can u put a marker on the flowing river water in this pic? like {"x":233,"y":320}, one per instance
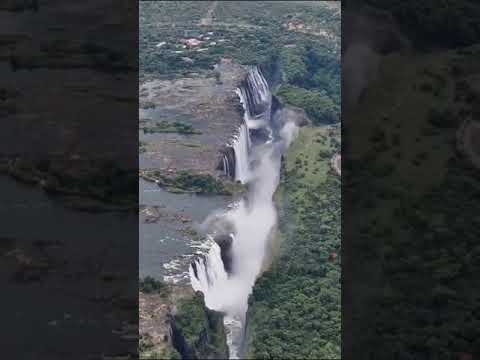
{"x":251,"y":222}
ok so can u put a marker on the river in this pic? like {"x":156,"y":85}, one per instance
{"x":165,"y":246}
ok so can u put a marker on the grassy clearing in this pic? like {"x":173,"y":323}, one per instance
{"x":308,"y":154}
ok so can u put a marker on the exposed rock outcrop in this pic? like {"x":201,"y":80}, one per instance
{"x":225,"y":242}
{"x":175,"y":324}
{"x":208,"y":106}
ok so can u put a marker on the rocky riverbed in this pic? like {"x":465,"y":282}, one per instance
{"x":206,"y":106}
{"x":185,"y":124}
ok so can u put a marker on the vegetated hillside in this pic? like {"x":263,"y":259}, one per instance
{"x":295,"y":307}
{"x":311,"y":80}
{"x":175,"y":324}
{"x":422,"y":300}
{"x":248,"y":32}
{"x":297,"y":45}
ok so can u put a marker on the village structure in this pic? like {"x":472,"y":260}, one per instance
{"x":193,"y":40}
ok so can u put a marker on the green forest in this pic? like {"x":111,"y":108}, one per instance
{"x":415,"y":174}
{"x":194,"y":331}
{"x":311,"y":80}
{"x":295,"y":309}
{"x":308,"y":64}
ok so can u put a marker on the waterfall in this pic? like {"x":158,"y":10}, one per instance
{"x":241,"y":147}
{"x":228,"y":161}
{"x":207,"y":271}
{"x":261,"y":93}
{"x":252,"y":220}
{"x":256,"y":99}
{"x":226,"y":166}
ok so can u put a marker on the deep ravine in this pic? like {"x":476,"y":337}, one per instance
{"x":251,"y":221}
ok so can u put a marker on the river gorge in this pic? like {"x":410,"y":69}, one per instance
{"x":239,"y":216}
{"x":250,"y":224}
{"x":217,"y":244}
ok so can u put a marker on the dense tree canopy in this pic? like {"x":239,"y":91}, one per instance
{"x":295,"y":305}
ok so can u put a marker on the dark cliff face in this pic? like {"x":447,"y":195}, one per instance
{"x":254,"y":106}
{"x":276,"y":104}
{"x":256,"y":92}
{"x":255,"y":95}
{"x":227,"y":162}
{"x":179,"y":342}
{"x":176,"y":324}
{"x":225,"y":242}
{"x":197,"y":332}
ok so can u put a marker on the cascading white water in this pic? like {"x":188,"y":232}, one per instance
{"x":252,"y":221}
{"x":226,"y":166}
{"x":256,"y":99}
{"x":241,"y":147}
{"x":251,"y":121}
{"x":257,"y":112}
{"x":208,"y":271}
{"x":262,"y":93}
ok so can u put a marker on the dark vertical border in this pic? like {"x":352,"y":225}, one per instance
{"x":410,"y":180}
{"x":69,"y":179}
